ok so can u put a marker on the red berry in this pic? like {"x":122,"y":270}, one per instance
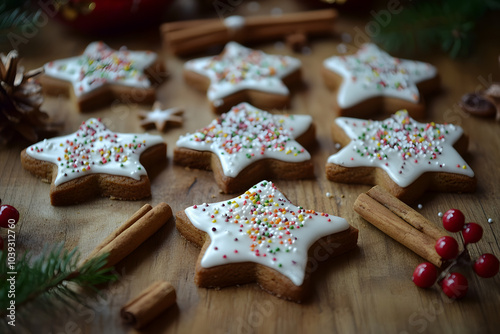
{"x":424,"y":275}
{"x":487,"y":265}
{"x":447,"y":247}
{"x":455,"y":285}
{"x":8,"y":214}
{"x":453,"y":220}
{"x":472,"y":233}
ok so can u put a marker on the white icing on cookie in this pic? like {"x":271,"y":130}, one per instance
{"x":246,"y":134}
{"x":372,"y":72}
{"x":160,"y":117}
{"x":402,"y":147}
{"x":234,"y":22}
{"x":163,"y":115}
{"x":239,"y":68}
{"x":100,"y":65}
{"x":264,"y":227}
{"x":94,"y":149}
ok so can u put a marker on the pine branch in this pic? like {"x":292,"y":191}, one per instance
{"x":448,"y":24}
{"x":49,"y":280}
{"x":15,"y":15}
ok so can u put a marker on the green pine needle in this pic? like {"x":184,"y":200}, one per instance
{"x":14,"y":15}
{"x":49,"y":280}
{"x":448,"y":24}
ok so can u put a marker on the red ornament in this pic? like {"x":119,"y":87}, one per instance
{"x":112,"y":16}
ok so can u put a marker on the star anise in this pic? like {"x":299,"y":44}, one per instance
{"x":485,"y":103}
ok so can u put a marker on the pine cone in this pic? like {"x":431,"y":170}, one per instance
{"x":20,"y":101}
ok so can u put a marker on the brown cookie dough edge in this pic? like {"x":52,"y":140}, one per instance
{"x":94,"y":185}
{"x":267,"y":278}
{"x":433,"y":181}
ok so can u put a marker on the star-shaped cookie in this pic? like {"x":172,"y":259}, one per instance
{"x":160,"y":118}
{"x":401,"y":154}
{"x":371,"y":80}
{"x":262,"y":237}
{"x":240,"y":74}
{"x":247,"y":144}
{"x":102,"y":75}
{"x":94,"y":161}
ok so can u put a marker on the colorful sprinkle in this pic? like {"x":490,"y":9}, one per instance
{"x":95,"y":148}
{"x":100,"y":65}
{"x":246,"y":134}
{"x":372,"y":72}
{"x":239,"y":68}
{"x":271,"y":235}
{"x":399,"y":145}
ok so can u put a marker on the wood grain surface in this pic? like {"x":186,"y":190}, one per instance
{"x":368,"y":290}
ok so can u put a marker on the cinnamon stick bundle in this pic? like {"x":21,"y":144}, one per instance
{"x":185,"y":37}
{"x":400,"y":222}
{"x":132,"y":233}
{"x":150,"y":303}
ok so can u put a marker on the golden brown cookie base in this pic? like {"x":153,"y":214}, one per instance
{"x":433,"y":181}
{"x":248,"y":272}
{"x":94,"y":185}
{"x":108,"y":93}
{"x":257,"y":171}
{"x":388,"y":105}
{"x":259,"y":99}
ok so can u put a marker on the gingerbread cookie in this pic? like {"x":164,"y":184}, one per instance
{"x":95,"y":161}
{"x":247,"y":144}
{"x":102,"y":75}
{"x":371,"y":80}
{"x":261,"y":237}
{"x":241,"y":74}
{"x":404,"y":156}
{"x":160,"y":118}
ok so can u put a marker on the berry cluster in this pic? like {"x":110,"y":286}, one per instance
{"x":454,"y":284}
{"x":8,"y":215}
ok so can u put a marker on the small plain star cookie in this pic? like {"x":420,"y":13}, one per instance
{"x":93,"y":162}
{"x":371,"y":81}
{"x":247,"y":144}
{"x":262,"y":237}
{"x":160,"y":118}
{"x":102,"y":75}
{"x":402,"y":155}
{"x":240,"y":74}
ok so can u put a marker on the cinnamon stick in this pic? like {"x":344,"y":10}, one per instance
{"x":405,"y":212}
{"x":150,"y":303}
{"x":135,"y":217}
{"x":132,"y":233}
{"x":400,"y":222}
{"x":186,"y":37}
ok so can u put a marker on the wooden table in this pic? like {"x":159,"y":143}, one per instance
{"x":366,"y":290}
